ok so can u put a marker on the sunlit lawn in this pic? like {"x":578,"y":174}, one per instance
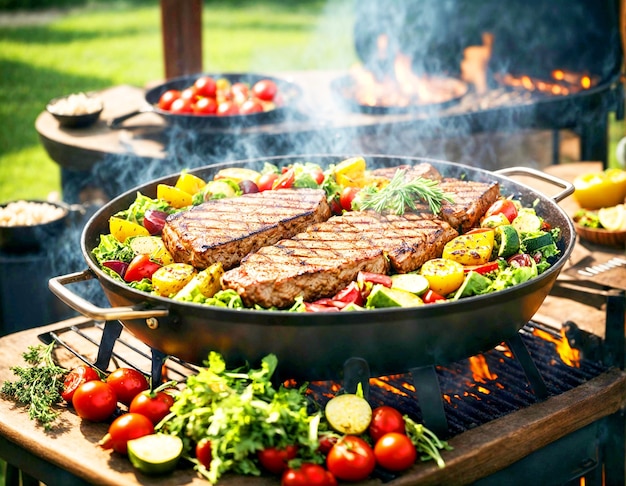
{"x":117,"y":43}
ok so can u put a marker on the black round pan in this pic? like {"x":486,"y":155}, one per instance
{"x":315,"y":345}
{"x":288,"y":91}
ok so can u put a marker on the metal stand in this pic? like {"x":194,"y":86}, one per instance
{"x":520,"y":351}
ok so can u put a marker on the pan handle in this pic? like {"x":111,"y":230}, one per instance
{"x":116,"y":122}
{"x":57,"y":286}
{"x":568,"y":187}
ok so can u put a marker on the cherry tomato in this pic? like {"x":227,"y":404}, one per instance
{"x":124,"y":428}
{"x":266,"y":181}
{"x":308,"y":475}
{"x":503,"y":206}
{"x":318,"y":175}
{"x":285,"y":180}
{"x":395,"y":452}
{"x":275,"y":460}
{"x":167,"y":98}
{"x":203,"y":452}
{"x":431,"y":296}
{"x":347,"y":196}
{"x":79,"y":375}
{"x":154,"y":405}
{"x":205,"y":86}
{"x":127,"y":383}
{"x":205,"y":106}
{"x":94,"y":400}
{"x":327,"y":441}
{"x":140,"y":267}
{"x":265,"y":89}
{"x":241,"y":92}
{"x":385,"y":419}
{"x":190,"y":94}
{"x":181,"y":106}
{"x":250,"y":106}
{"x":351,"y":459}
{"x":227,"y":108}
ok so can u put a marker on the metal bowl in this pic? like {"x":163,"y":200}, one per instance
{"x":28,"y":237}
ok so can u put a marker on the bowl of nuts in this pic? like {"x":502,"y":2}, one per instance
{"x":27,"y":225}
{"x":76,"y":110}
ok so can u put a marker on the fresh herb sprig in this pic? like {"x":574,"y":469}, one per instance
{"x":39,"y":385}
{"x":426,"y":442}
{"x":402,"y":194}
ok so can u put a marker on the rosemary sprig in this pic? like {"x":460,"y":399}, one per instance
{"x":428,"y":445}
{"x":401,"y":194}
{"x":39,"y":385}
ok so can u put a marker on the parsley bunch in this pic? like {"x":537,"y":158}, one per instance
{"x":401,"y":194}
{"x":241,"y":413}
{"x":39,"y":385}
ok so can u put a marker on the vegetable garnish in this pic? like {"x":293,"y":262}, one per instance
{"x":426,"y":442}
{"x":39,"y":385}
{"x":401,"y":194}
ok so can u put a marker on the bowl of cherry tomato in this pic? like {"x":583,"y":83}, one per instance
{"x":220,"y":100}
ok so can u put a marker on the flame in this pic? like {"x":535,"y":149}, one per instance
{"x":562,"y":83}
{"x":480,"y":371}
{"x":570,"y":356}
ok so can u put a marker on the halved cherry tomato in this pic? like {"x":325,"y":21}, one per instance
{"x":351,"y":459}
{"x":503,"y":206}
{"x":79,"y":375}
{"x":385,"y":419}
{"x":347,"y":196}
{"x":285,"y":180}
{"x":227,"y":108}
{"x":124,"y":428}
{"x":167,"y":98}
{"x":375,"y":278}
{"x":139,"y":268}
{"x":266,"y":181}
{"x":203,"y":452}
{"x":431,"y":296}
{"x":250,"y":106}
{"x":127,"y":383}
{"x":395,"y":452}
{"x":275,"y":460}
{"x":94,"y":400}
{"x":153,"y":404}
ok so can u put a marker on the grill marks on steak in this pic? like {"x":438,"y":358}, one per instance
{"x":226,"y":230}
{"x":426,"y":171}
{"x":324,"y":259}
{"x":471,"y":200}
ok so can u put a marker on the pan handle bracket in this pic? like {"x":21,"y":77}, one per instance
{"x":58,"y":287}
{"x":568,"y":187}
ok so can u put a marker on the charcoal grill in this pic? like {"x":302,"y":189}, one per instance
{"x":524,"y":374}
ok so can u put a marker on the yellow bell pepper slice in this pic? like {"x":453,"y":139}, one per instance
{"x":175,"y":197}
{"x":171,"y":278}
{"x":351,"y":172}
{"x":121,"y":229}
{"x":444,"y":275}
{"x":189,"y":183}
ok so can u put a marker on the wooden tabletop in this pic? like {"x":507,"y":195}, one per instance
{"x":71,"y":448}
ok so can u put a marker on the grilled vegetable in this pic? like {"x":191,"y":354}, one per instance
{"x":348,"y":413}
{"x":189,"y":183}
{"x":444,"y":275}
{"x":122,"y":229}
{"x":175,"y":197}
{"x":152,"y":246}
{"x":472,"y":248}
{"x":171,"y":278}
{"x":205,"y":283}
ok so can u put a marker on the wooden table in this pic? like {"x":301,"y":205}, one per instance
{"x":69,"y":455}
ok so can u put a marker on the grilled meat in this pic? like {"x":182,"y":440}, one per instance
{"x":324,"y":259}
{"x":471,"y":200}
{"x":426,"y":171}
{"x":226,"y":230}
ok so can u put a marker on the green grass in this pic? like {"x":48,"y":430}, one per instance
{"x":120,"y":43}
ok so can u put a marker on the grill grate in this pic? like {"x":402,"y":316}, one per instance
{"x":468,"y":402}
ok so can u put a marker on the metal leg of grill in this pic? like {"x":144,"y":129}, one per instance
{"x":520,"y":351}
{"x":110,"y":334}
{"x":356,"y":371}
{"x":430,"y":399}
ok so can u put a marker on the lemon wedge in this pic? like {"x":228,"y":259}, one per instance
{"x":613,"y":218}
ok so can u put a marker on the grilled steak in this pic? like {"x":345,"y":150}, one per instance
{"x":425,"y":171}
{"x":226,"y":230}
{"x":324,"y":259}
{"x":471,"y":200}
